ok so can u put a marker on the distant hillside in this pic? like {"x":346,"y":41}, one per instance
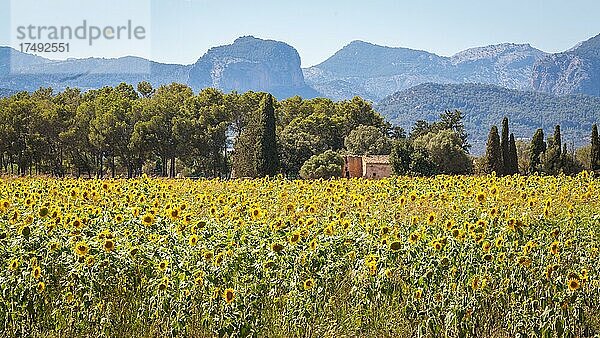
{"x":27,"y":72}
{"x":576,"y":71}
{"x":252,"y":64}
{"x":486,"y":105}
{"x":373,"y":71}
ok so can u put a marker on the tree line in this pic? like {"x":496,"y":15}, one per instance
{"x":550,"y":156}
{"x":125,"y":131}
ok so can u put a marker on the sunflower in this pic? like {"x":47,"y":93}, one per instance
{"x":109,"y":245}
{"x":13,"y":265}
{"x":308,"y":284}
{"x":164,"y":284}
{"x":219,"y":259}
{"x":418,"y":294}
{"x":174,"y":213}
{"x":277,"y":247}
{"x":480,"y":197}
{"x":475,"y":283}
{"x":53,"y":246}
{"x":41,"y":286}
{"x":25,"y":231}
{"x":36,"y":272}
{"x":555,"y":247}
{"x":229,"y":295}
{"x":148,"y":219}
{"x":90,"y":260}
{"x":573,"y":284}
{"x":494,"y":212}
{"x":431,"y":218}
{"x":414,"y":237}
{"x":412,"y":196}
{"x":295,"y":237}
{"x":81,"y":248}
{"x":43,"y":212}
{"x":69,"y":297}
{"x":329,"y":230}
{"x":133,"y":251}
{"x":193,"y":240}
{"x":256,"y":213}
{"x":402,"y":200}
{"x":395,"y":245}
{"x":4,"y":205}
{"x":77,"y":223}
{"x":119,"y":218}
{"x":163,"y":265}
{"x":524,"y":261}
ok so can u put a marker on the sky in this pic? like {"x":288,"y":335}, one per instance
{"x":181,"y":31}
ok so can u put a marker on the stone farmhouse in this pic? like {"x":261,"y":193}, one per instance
{"x":373,"y":166}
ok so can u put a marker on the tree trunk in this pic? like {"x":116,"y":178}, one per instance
{"x":101,"y":167}
{"x":172,"y":173}
{"x":112,"y":166}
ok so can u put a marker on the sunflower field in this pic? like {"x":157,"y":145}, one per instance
{"x":399,"y":257}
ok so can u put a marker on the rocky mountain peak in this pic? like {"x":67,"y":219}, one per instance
{"x":250,"y":63}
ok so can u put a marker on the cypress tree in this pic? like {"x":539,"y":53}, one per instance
{"x":553,"y":162}
{"x":557,"y":139}
{"x":538,"y":146}
{"x":595,"y":151}
{"x":512,"y":155}
{"x":267,"y":160}
{"x":493,"y":153}
{"x":506,"y":165}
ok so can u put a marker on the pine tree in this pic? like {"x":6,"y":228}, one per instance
{"x":506,"y":166}
{"x":493,"y":153}
{"x":595,"y":151}
{"x":512,"y":155}
{"x":538,"y":146}
{"x":267,"y":160}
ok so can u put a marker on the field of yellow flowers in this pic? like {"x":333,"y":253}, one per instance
{"x":400,"y":257}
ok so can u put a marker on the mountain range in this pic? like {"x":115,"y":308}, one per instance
{"x":534,"y":88}
{"x":375,"y":72}
{"x":247,"y":64}
{"x":360,"y":68}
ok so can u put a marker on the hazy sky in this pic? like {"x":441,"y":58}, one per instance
{"x":183,"y":30}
